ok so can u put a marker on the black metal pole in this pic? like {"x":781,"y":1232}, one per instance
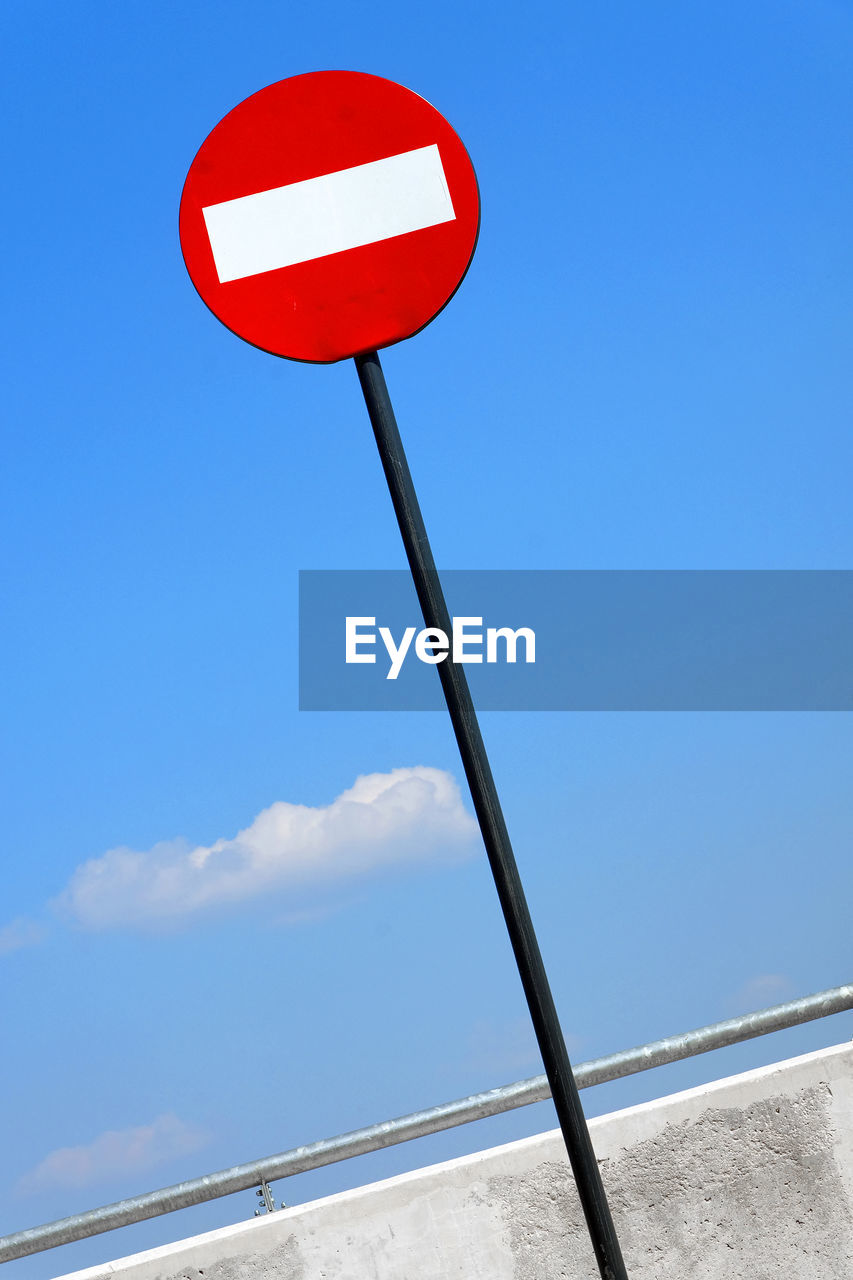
{"x":495,"y":836}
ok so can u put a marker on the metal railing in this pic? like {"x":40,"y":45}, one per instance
{"x":243,"y":1177}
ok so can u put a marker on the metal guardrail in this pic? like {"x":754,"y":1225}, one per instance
{"x":243,"y":1177}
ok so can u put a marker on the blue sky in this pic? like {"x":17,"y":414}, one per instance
{"x":646,"y":367}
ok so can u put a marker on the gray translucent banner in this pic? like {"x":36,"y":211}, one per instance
{"x":613,"y":640}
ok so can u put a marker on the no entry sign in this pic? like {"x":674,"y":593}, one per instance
{"x":330,"y":214}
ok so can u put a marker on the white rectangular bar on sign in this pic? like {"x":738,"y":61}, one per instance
{"x":342,"y":210}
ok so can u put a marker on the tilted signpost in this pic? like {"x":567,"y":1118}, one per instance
{"x":325,"y":217}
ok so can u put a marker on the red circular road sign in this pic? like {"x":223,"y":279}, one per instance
{"x":329,"y":214}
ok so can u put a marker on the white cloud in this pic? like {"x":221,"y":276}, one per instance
{"x":20,"y":933}
{"x":384,"y":819}
{"x":312,"y":914}
{"x":506,"y":1046}
{"x":761,"y":991}
{"x":113,"y":1154}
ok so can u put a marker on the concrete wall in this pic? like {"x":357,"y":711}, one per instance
{"x":748,"y":1177}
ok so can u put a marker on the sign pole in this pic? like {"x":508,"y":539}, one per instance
{"x":325,"y":216}
{"x":493,"y":827}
